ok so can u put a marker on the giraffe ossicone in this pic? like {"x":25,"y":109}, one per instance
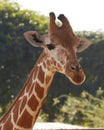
{"x":59,"y":55}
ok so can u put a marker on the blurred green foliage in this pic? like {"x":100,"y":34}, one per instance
{"x":85,"y":110}
{"x":17,"y":57}
{"x":81,"y":105}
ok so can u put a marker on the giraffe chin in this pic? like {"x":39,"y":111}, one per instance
{"x":77,"y":80}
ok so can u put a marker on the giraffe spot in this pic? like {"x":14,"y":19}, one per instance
{"x":25,"y":120}
{"x":23,"y":103}
{"x":8,"y":125}
{"x":35,"y":72}
{"x":59,"y":67}
{"x":33,"y":103}
{"x":48,"y":78}
{"x":41,"y":75}
{"x":48,"y":63}
{"x":16,"y":108}
{"x":28,"y":84}
{"x":31,"y":89}
{"x":31,"y":77}
{"x":39,"y":90}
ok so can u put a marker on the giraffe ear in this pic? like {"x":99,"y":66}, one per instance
{"x":35,"y":39}
{"x":83,"y":44}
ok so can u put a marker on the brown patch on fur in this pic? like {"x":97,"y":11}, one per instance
{"x":23,"y":103}
{"x":41,"y":75}
{"x":33,"y":103}
{"x":48,"y":78}
{"x":25,"y":120}
{"x":8,"y":125}
{"x":39,"y":90}
{"x":16,"y":110}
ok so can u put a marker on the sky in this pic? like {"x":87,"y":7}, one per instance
{"x":84,"y":15}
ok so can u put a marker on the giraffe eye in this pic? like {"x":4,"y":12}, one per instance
{"x":50,"y":46}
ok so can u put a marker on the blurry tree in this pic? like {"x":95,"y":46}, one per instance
{"x":85,"y":110}
{"x":16,"y":56}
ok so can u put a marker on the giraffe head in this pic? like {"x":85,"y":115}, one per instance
{"x":60,"y":46}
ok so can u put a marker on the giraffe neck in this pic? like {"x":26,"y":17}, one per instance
{"x":23,"y":113}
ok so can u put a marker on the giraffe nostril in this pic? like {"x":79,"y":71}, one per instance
{"x":78,"y":68}
{"x":75,"y":68}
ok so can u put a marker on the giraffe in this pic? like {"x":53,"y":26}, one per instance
{"x":60,"y":46}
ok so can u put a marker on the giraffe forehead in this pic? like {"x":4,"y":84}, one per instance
{"x":58,"y":51}
{"x":63,"y":51}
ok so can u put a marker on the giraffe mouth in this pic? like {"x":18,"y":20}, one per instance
{"x":78,"y":78}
